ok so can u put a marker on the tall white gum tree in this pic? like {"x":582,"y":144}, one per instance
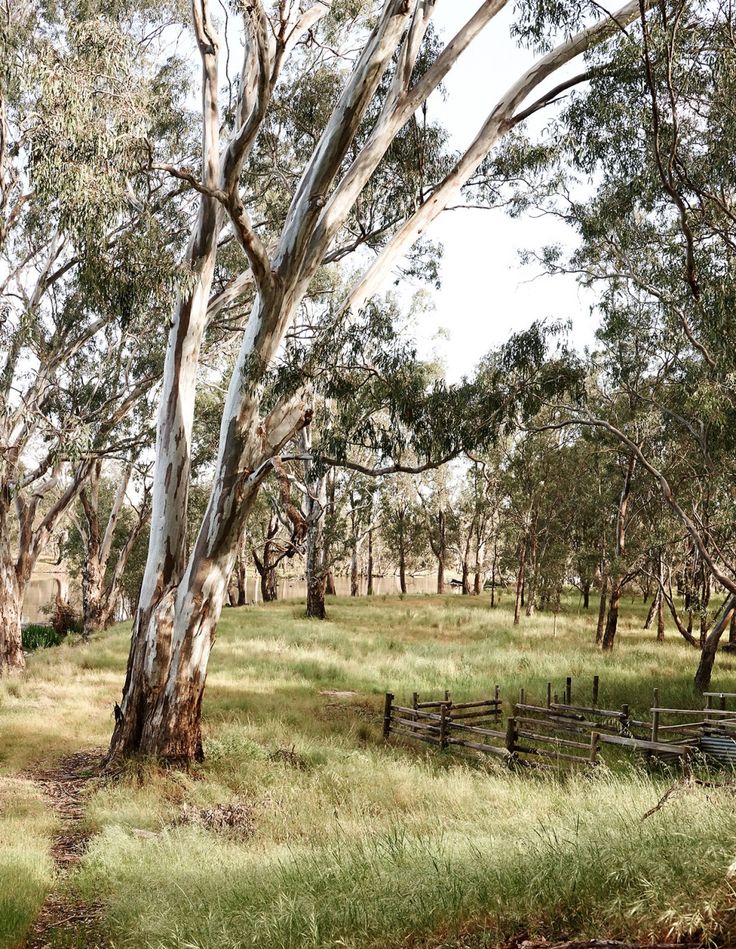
{"x":182,"y":594}
{"x":82,"y":260}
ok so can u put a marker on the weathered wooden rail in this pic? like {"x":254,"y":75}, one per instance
{"x":564,"y":734}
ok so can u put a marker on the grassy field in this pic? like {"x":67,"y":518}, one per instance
{"x":338,"y":840}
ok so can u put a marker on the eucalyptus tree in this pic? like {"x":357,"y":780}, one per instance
{"x":401,"y":520}
{"x":653,"y":136}
{"x":377,"y":93}
{"x":84,"y":253}
{"x":361,"y":513}
{"x":105,"y":526}
{"x":436,"y":498}
{"x":475,"y":520}
{"x":524,"y":479}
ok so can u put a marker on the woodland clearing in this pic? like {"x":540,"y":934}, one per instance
{"x":301,"y":828}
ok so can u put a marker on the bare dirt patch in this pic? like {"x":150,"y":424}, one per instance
{"x":64,"y":786}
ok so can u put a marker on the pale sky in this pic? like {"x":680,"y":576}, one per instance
{"x":486,"y":292}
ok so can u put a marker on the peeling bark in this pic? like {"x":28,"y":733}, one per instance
{"x":181,"y":598}
{"x":12,"y":659}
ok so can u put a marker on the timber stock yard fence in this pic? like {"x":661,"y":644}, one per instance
{"x":561,"y":734}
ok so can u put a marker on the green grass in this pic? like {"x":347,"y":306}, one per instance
{"x":353,"y":843}
{"x":25,"y":868}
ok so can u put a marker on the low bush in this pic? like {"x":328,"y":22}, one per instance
{"x":65,"y":619}
{"x":37,"y":636}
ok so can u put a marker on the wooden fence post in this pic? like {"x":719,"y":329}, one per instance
{"x":655,"y":717}
{"x":511,"y":736}
{"x":387,"y":714}
{"x":568,"y":690}
{"x":625,"y":720}
{"x":596,"y":682}
{"x":522,"y":696}
{"x":594,"y":744}
{"x":443,"y":726}
{"x":549,"y":694}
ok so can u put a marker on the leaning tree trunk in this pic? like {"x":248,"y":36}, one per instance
{"x":609,"y":634}
{"x":705,"y":593}
{"x":651,"y":611}
{"x":160,"y":713}
{"x":710,"y":648}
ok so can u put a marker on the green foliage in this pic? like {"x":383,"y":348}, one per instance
{"x":638,"y":162}
{"x":36,"y":636}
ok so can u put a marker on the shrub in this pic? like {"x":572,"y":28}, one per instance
{"x":36,"y":636}
{"x":65,"y":619}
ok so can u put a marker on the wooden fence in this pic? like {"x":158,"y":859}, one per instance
{"x":565,"y":734}
{"x":444,"y":723}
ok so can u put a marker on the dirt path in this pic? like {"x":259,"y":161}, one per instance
{"x":64,"y":786}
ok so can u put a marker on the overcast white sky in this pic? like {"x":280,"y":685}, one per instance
{"x":486,"y":292}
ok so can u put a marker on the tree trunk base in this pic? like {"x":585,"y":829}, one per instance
{"x":12,"y":657}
